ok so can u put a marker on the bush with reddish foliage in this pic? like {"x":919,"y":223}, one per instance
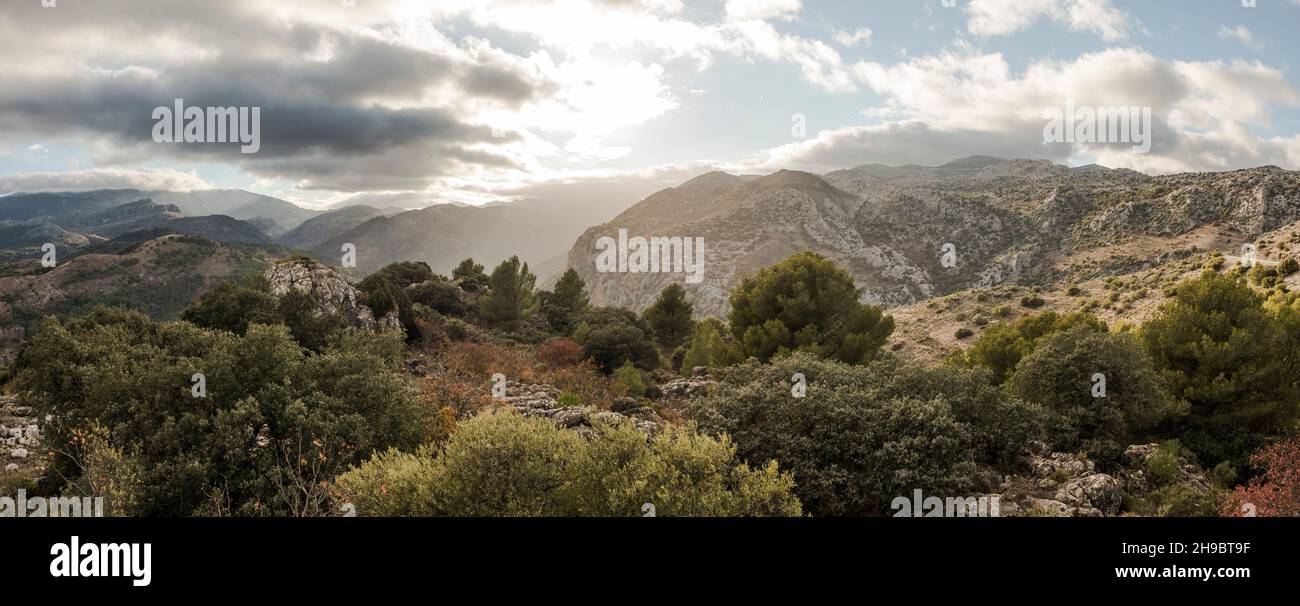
{"x":1275,"y":492}
{"x":559,"y":353}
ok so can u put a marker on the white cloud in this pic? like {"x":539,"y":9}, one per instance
{"x":1240,"y":34}
{"x":761,"y":10}
{"x":153,"y":179}
{"x":1003,"y":17}
{"x":861,"y":36}
{"x":962,"y":102}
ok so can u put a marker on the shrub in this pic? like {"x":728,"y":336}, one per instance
{"x":439,"y":295}
{"x":1220,"y":350}
{"x":1001,"y":346}
{"x":1032,"y":302}
{"x":615,"y":336}
{"x":806,"y":303}
{"x":1275,"y":490}
{"x":1059,"y":375}
{"x":628,"y":381}
{"x":964,"y":333}
{"x":275,"y":423}
{"x":864,"y":435}
{"x":560,"y":352}
{"x":508,"y":465}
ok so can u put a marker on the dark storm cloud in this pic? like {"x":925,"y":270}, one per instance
{"x":340,"y":108}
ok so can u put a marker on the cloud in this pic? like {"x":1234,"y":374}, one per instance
{"x":761,"y":10}
{"x":860,"y":37}
{"x":159,"y":179}
{"x":379,"y":97}
{"x":961,"y":102}
{"x":1003,"y":17}
{"x":1240,"y":34}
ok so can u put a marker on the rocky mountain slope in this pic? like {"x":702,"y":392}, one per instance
{"x":319,"y":229}
{"x":1020,"y":222}
{"x":444,"y":234}
{"x":159,"y":276}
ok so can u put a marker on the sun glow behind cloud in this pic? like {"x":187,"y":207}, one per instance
{"x":474,"y":101}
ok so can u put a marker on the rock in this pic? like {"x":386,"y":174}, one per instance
{"x":700,"y":371}
{"x":11,"y":467}
{"x":1097,"y":491}
{"x":1048,"y":508}
{"x":566,"y":418}
{"x":328,"y":290}
{"x":623,"y":404}
{"x":697,"y":385}
{"x":18,"y":453}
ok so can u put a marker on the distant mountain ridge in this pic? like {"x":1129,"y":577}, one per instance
{"x":538,"y":231}
{"x":1008,"y":221}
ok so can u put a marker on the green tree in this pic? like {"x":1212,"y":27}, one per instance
{"x":611,"y":337}
{"x":710,"y":346}
{"x":566,"y":303}
{"x":510,"y":300}
{"x":232,"y":307}
{"x":1220,"y":350}
{"x":470,"y":274}
{"x":806,"y":303}
{"x":1001,"y":346}
{"x":1066,"y":374}
{"x":669,"y":317}
{"x":628,"y":379}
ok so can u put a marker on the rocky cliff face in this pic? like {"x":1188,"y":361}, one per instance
{"x":329,"y":292}
{"x":1003,"y":221}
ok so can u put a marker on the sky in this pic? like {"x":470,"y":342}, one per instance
{"x":415,"y":102}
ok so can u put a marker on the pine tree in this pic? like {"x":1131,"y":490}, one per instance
{"x":670,"y":316}
{"x":511,"y":298}
{"x":470,"y":273}
{"x":563,"y":306}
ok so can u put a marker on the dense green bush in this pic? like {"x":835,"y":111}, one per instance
{"x":505,"y":464}
{"x":710,"y":346}
{"x":439,"y":295}
{"x":1059,"y":375}
{"x":611,"y":337}
{"x":806,"y":303}
{"x":1001,"y":346}
{"x":563,"y":306}
{"x":233,"y":307}
{"x":861,"y":436}
{"x":1232,"y":361}
{"x":669,"y":317}
{"x":276,"y":422}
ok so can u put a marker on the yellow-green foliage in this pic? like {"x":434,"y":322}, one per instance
{"x":504,"y":464}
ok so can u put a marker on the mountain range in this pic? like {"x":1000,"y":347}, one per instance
{"x":907,"y":234}
{"x":1004,"y":221}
